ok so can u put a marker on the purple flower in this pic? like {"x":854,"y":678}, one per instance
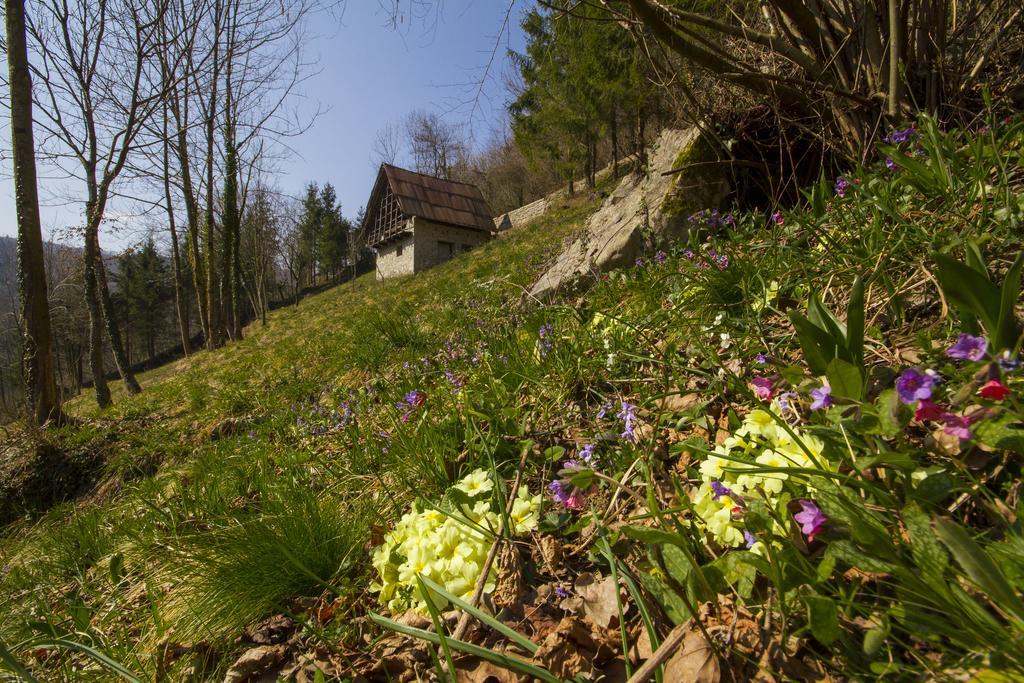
{"x":842,"y":184}
{"x":561,"y":592}
{"x":719,"y":489}
{"x":640,"y":263}
{"x":628,"y":414}
{"x":956,"y":425}
{"x":689,"y":254}
{"x":777,"y":217}
{"x":605,"y":407}
{"x":890,"y":164}
{"x":822,"y":397}
{"x":914,"y":385}
{"x":810,"y":518}
{"x":750,"y":539}
{"x":586,"y":454}
{"x":569,"y":496}
{"x":785,"y":402}
{"x":1008,"y":362}
{"x":900,"y":136}
{"x":968,"y":347}
{"x":760,"y":359}
{"x":660,"y":257}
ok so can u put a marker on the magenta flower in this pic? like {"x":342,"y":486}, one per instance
{"x":914,"y":385}
{"x":762,"y":388}
{"x":822,"y":397}
{"x":778,"y":218}
{"x":956,"y":425}
{"x":968,"y":347}
{"x":810,"y":518}
{"x":928,"y":409}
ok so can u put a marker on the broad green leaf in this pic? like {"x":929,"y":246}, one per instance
{"x":1005,"y":431}
{"x":969,"y":290}
{"x":893,"y":415}
{"x":1007,"y":330}
{"x":818,"y":347}
{"x":823,"y":318}
{"x":670,"y":601}
{"x":823,"y":616}
{"x":845,"y":379}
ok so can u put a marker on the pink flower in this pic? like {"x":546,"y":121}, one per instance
{"x":956,"y":425}
{"x":927,"y":409}
{"x":762,"y":388}
{"x":995,"y":390}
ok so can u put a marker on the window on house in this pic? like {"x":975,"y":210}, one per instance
{"x":466,"y":247}
{"x":401,"y":248}
{"x":445,"y":250}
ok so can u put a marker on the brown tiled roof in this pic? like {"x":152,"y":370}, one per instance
{"x":441,"y":201}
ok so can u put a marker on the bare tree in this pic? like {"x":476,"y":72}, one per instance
{"x":37,"y":352}
{"x":435,"y":145}
{"x":101,"y":84}
{"x":387,"y":145}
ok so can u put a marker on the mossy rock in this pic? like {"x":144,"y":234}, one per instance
{"x":702,"y":185}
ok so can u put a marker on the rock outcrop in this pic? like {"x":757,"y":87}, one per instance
{"x":645,"y":208}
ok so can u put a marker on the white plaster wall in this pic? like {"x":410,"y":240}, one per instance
{"x":390,"y":264}
{"x":428,"y":234}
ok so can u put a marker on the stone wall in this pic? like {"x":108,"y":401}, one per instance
{"x":428,"y":234}
{"x":523,"y":215}
{"x":396,"y":258}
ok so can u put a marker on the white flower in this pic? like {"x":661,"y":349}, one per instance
{"x":476,"y":483}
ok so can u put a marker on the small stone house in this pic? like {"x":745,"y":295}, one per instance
{"x":415,"y":221}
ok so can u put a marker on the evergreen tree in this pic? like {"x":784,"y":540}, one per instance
{"x":142,"y":287}
{"x":309,"y":235}
{"x":334,"y":229}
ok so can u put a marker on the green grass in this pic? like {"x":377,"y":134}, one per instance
{"x":267,"y":471}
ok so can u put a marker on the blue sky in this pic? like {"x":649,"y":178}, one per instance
{"x":368,"y":74}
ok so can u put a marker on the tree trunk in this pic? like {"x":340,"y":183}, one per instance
{"x":124,"y":367}
{"x":179,"y":294}
{"x":92,"y":304}
{"x":37,"y":354}
{"x":615,"y":144}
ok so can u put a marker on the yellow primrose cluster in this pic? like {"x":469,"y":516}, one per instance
{"x":761,"y":442}
{"x":447,"y":547}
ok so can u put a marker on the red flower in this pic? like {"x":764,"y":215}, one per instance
{"x":995,"y":390}
{"x":927,"y":410}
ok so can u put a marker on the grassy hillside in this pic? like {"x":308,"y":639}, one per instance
{"x":768,"y":443}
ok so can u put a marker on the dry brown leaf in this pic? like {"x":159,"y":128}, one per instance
{"x":485,"y":672}
{"x":600,"y":606}
{"x":694,"y":662}
{"x":508,"y":590}
{"x":254,"y":662}
{"x":677,"y":403}
{"x":571,"y":649}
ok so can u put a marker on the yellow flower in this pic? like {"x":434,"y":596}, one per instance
{"x":476,"y":483}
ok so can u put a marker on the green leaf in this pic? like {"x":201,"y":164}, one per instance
{"x":497,"y":658}
{"x":818,"y":347}
{"x":670,"y":601}
{"x":979,"y":566}
{"x":501,"y":628}
{"x":1005,"y":432}
{"x":845,"y":379}
{"x":846,"y":552}
{"x":12,"y":664}
{"x":893,"y":415}
{"x":823,"y":318}
{"x":823,"y":616}
{"x":929,"y":556}
{"x":1007,"y":330}
{"x":969,"y":290}
{"x":855,"y":323}
{"x":873,"y":641}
